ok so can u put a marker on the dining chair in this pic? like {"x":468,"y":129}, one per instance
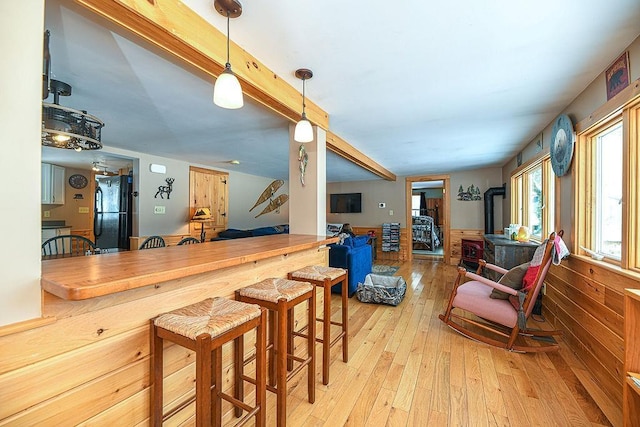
{"x":188,"y":241}
{"x":152,"y":242}
{"x":67,"y":245}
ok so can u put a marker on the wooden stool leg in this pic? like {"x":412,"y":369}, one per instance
{"x":290,"y":346}
{"x":157,"y":361}
{"x":217,"y":387}
{"x":238,"y":372}
{"x":326,"y":332}
{"x":272,"y":350}
{"x":345,"y":319}
{"x":203,"y":388}
{"x":281,"y":388}
{"x":311,"y":348}
{"x":261,"y":386}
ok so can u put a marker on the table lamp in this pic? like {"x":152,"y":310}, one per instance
{"x":202,"y":215}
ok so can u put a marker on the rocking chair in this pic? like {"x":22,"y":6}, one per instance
{"x":498,"y":316}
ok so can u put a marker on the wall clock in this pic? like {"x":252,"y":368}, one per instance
{"x":562,"y":144}
{"x":78,"y":181}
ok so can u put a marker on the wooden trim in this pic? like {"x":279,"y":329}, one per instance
{"x":176,"y":29}
{"x":26,"y":325}
{"x":344,"y":149}
{"x":610,"y":108}
{"x":446,"y":229}
{"x":523,"y":167}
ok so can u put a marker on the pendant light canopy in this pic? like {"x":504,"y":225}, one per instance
{"x":227,"y":92}
{"x":304,"y":131}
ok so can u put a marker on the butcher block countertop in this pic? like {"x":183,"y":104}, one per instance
{"x":81,"y":278}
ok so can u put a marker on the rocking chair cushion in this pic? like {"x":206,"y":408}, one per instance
{"x":473,"y":296}
{"x":513,"y":279}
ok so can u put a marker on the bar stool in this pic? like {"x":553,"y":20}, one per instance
{"x":327,"y":277}
{"x":280,"y":296}
{"x":204,"y":327}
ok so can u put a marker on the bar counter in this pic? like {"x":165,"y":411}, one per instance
{"x":81,"y":278}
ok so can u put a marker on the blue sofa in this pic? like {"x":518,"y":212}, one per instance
{"x":234,"y":233}
{"x":354,"y":254}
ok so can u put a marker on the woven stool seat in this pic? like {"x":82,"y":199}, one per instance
{"x":275,"y":289}
{"x":213,"y":316}
{"x":318,"y":272}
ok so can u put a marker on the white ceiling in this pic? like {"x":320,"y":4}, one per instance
{"x":420,"y":87}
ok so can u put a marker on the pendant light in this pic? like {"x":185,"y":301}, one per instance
{"x":227,"y":92}
{"x":304,"y":131}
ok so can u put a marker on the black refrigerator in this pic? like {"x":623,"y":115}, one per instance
{"x":112,"y":215}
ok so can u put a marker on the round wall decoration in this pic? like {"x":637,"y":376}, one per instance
{"x":78,"y":181}
{"x":562,"y":144}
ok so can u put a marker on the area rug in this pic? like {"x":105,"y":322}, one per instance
{"x":384,"y":270}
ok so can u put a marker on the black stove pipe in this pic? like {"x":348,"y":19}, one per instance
{"x":488,"y":206}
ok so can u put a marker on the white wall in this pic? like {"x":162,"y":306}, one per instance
{"x":21,"y":32}
{"x":392,"y":193}
{"x":470,"y":215}
{"x":244,"y":191}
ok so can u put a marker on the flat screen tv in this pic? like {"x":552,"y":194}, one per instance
{"x":346,"y":203}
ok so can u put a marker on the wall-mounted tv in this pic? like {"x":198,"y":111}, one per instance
{"x":345,"y":203}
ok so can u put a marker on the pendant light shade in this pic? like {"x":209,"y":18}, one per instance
{"x":227,"y":92}
{"x":303,"y":131}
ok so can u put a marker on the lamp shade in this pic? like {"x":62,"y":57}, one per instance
{"x":227,"y":92}
{"x":202,"y":213}
{"x":523,"y":234}
{"x":303,"y":131}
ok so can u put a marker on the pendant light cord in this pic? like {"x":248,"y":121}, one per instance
{"x":228,"y":64}
{"x":303,"y":99}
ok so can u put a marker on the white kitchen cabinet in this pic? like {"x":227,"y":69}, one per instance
{"x":48,"y":233}
{"x":53,"y":184}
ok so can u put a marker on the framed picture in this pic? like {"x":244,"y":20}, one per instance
{"x":538,"y":142}
{"x":617,"y":75}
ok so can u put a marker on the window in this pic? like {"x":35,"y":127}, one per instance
{"x":532,"y":198}
{"x":415,"y":205}
{"x":607,"y":205}
{"x":608,"y":194}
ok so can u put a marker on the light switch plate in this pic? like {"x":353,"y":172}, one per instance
{"x":159,"y":210}
{"x":83,"y":209}
{"x":391,"y":212}
{"x":47,"y":214}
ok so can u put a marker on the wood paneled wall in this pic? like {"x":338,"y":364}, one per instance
{"x":400,"y":256}
{"x":455,"y":246}
{"x":91,"y":365}
{"x":584,"y":299}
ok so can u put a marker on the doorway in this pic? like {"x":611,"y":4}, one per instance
{"x":428,"y":215}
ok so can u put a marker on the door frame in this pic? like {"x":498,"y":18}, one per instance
{"x":447,"y":211}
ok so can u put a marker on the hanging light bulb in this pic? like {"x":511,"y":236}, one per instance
{"x":303,"y":131}
{"x":227,"y":92}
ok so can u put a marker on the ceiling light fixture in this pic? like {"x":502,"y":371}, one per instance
{"x":227,"y":92}
{"x":304,"y":131}
{"x":64,"y":127}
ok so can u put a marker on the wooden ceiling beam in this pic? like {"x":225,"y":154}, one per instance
{"x":175,"y":28}
{"x":346,"y":150}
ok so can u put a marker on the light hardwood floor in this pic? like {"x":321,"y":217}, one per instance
{"x":406,"y":368}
